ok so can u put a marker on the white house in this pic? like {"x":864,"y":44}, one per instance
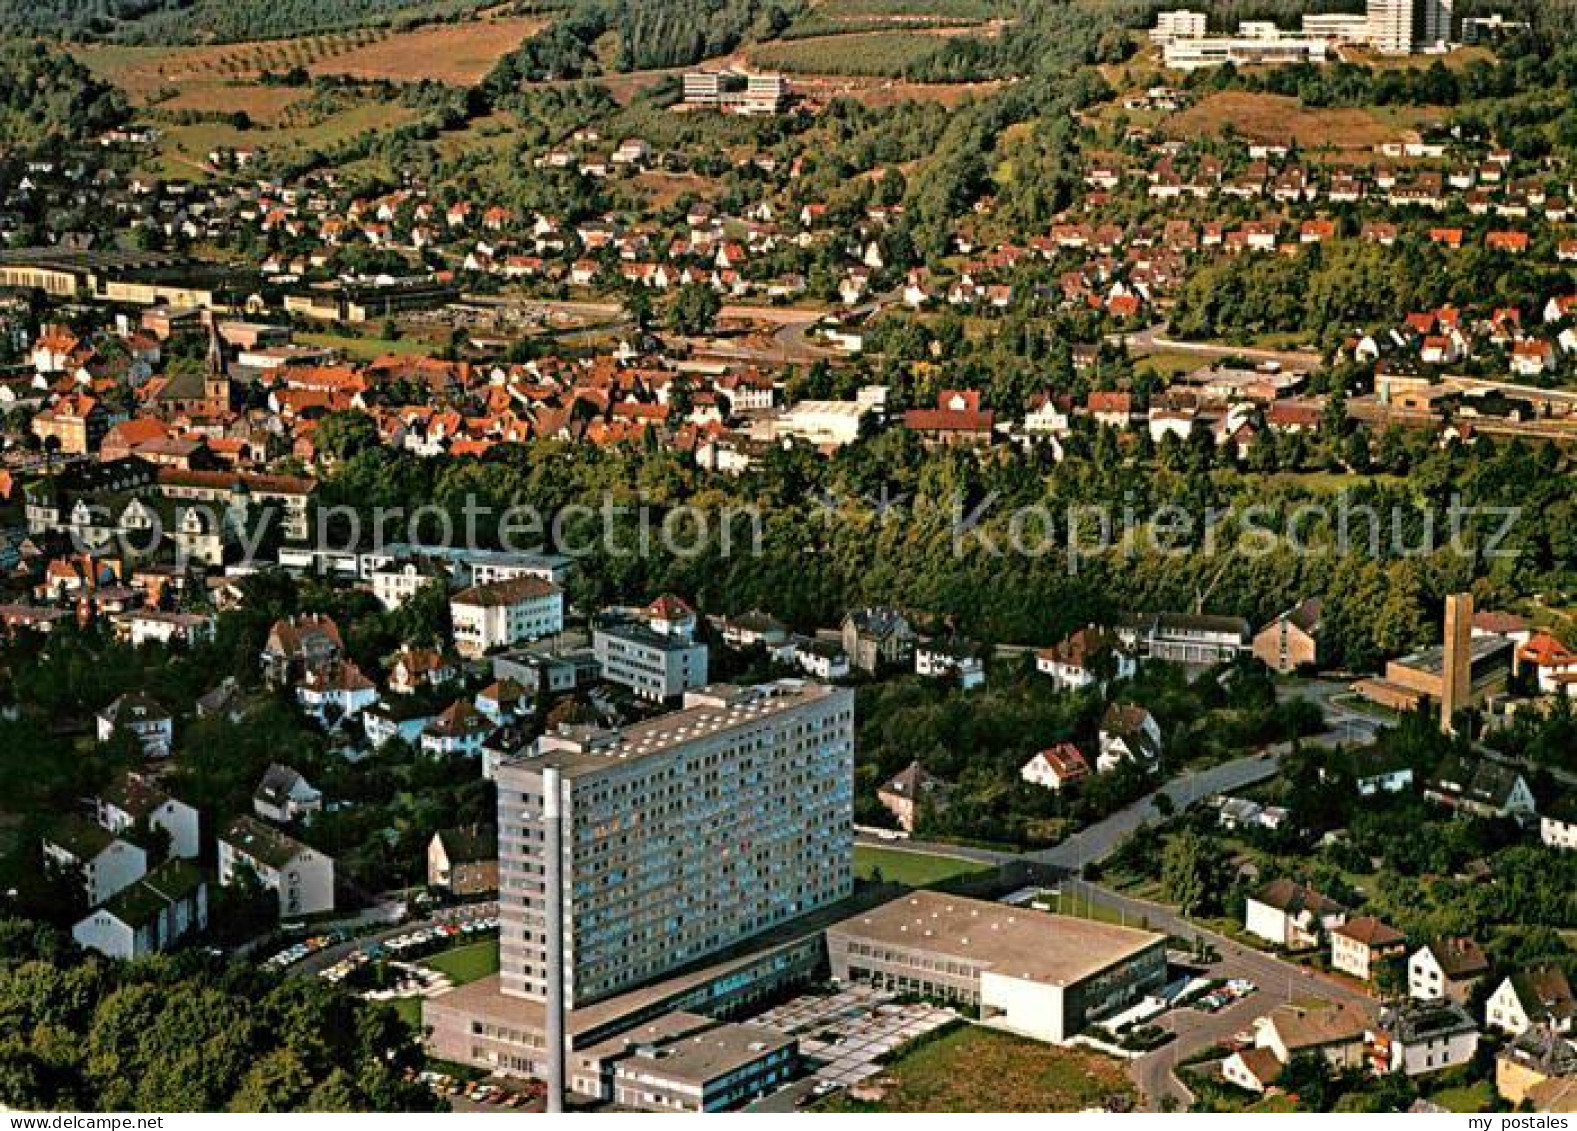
{"x":102,"y":862}
{"x":396,"y":582}
{"x":142,"y":718}
{"x":1288,"y":914}
{"x":1128,"y":733}
{"x":134,"y":801}
{"x":339,"y":691}
{"x":1449,"y":968}
{"x":302,"y":878}
{"x":1558,"y":823}
{"x":284,"y":796}
{"x":1089,"y":656}
{"x":1418,"y":1038}
{"x":149,"y":916}
{"x":1056,"y":768}
{"x":823,"y":659}
{"x":943,"y":659}
{"x":459,"y":731}
{"x":1540,"y":996}
{"x":505,"y":613}
{"x":144,"y":626}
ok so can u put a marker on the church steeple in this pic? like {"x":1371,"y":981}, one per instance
{"x":216,"y":379}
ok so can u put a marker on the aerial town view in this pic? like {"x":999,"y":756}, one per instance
{"x":788,"y":556}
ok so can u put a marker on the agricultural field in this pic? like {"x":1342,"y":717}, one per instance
{"x":889,"y":53}
{"x":912,"y":869}
{"x":148,"y":74}
{"x":458,"y":54}
{"x":1274,"y":118}
{"x":976,"y":1069}
{"x":876,"y":92}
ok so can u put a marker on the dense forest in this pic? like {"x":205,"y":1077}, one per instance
{"x":189,"y":1034}
{"x":45,"y":93}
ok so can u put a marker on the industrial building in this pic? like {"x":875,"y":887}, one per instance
{"x":1040,"y":975}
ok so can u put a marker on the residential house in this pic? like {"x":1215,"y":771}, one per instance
{"x":152,"y":915}
{"x":1448,"y":968}
{"x":1558,"y":822}
{"x":1418,"y":1038}
{"x":877,"y":637}
{"x":1089,"y":656}
{"x":1537,"y":996}
{"x":1334,"y":1032}
{"x":285,"y":796}
{"x":504,"y":701}
{"x":1287,"y":913}
{"x":950,"y":659}
{"x":1253,"y":1069}
{"x":337,"y":692}
{"x":89,"y":854}
{"x":1527,"y":1065}
{"x":133,"y":803}
{"x":1481,"y":787}
{"x":297,"y":645}
{"x":1056,"y":768}
{"x":907,"y":793}
{"x":458,"y":731}
{"x":823,"y":659}
{"x":144,"y":720}
{"x":301,"y":878}
{"x":1380,"y":771}
{"x":1361,"y":944}
{"x":412,"y":669}
{"x":464,"y":861}
{"x":1128,"y":733}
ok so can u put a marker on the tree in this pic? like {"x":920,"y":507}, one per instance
{"x":694,"y":310}
{"x":1190,"y":875}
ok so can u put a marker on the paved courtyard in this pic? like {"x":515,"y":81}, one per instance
{"x":844,"y":1035}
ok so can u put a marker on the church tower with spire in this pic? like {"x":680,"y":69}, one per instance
{"x":216,"y":378}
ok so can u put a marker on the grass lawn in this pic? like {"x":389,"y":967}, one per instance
{"x":410,"y":1010}
{"x":1469,"y":1098}
{"x":978,"y":1069}
{"x":365,"y":349}
{"x":913,"y":869}
{"x":469,"y":963}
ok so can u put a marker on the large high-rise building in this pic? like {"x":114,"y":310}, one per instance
{"x":682,"y":835}
{"x":1400,"y":27}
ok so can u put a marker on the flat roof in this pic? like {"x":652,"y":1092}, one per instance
{"x":1011,"y":941}
{"x":708,"y":711}
{"x":700,"y":1057}
{"x":1433,"y":658}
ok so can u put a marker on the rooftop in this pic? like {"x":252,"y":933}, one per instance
{"x":708,"y":711}
{"x":1011,"y":941}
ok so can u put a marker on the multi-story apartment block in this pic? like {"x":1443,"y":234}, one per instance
{"x":301,"y":877}
{"x":505,"y":613}
{"x":654,"y":665}
{"x":682,"y":835}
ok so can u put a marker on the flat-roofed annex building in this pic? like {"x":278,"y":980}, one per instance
{"x":683,"y":835}
{"x":1040,"y":975}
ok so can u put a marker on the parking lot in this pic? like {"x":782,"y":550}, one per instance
{"x":843,"y":1036}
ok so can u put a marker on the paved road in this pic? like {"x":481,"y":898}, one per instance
{"x":1101,"y":839}
{"x":1150,"y":340}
